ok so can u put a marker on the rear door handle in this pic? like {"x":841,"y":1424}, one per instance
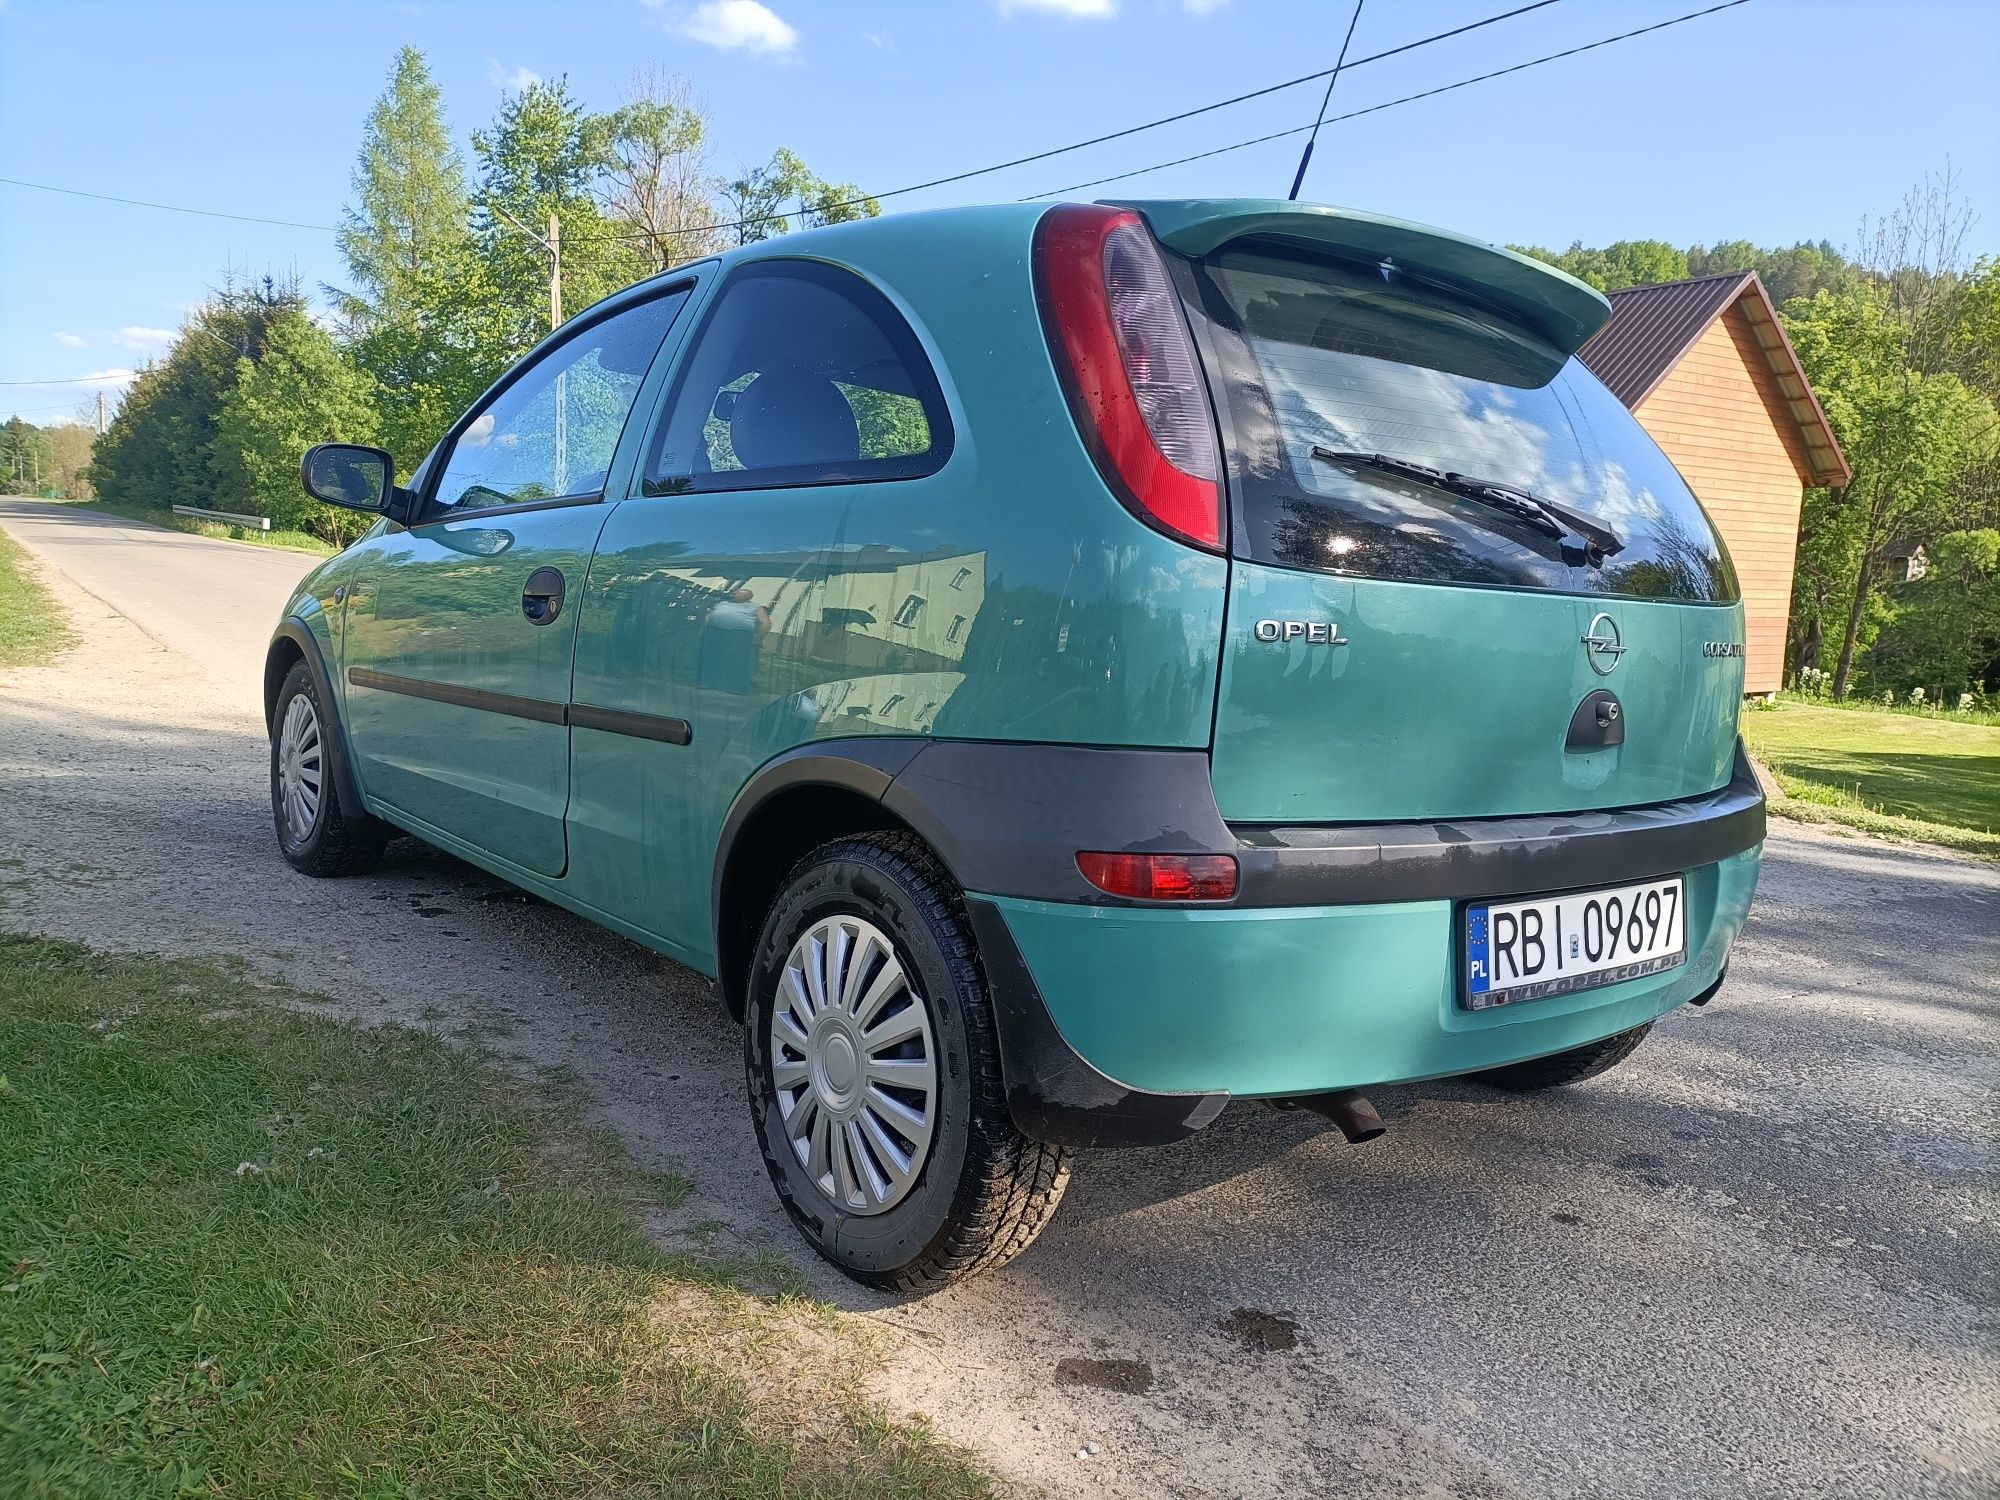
{"x":542,"y":598}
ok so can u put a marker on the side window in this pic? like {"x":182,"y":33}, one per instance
{"x":802,"y":374}
{"x":551,"y":433}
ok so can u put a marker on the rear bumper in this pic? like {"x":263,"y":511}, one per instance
{"x":1127,"y":1024}
{"x":1184,"y":1006}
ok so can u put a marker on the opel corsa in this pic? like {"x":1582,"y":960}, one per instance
{"x":1059,"y":669}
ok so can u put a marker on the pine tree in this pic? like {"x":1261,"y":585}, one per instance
{"x":412,"y":208}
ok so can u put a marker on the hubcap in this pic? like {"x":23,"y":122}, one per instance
{"x":299,"y":773}
{"x":854,"y":1065}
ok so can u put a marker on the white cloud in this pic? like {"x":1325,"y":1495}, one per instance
{"x":1072,"y":10}
{"x":71,"y":341}
{"x":511,"y":81}
{"x":132,"y":336}
{"x":744,"y":25}
{"x":1202,"y":7}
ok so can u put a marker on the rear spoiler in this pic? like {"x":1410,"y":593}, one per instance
{"x":1555,"y":304}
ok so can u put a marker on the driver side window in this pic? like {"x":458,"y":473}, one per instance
{"x":550,"y":434}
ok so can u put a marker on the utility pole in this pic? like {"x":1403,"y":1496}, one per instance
{"x":100,"y":414}
{"x":554,"y":244}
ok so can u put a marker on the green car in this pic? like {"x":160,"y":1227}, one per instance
{"x":1059,"y":669}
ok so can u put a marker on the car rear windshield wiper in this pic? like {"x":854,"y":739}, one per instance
{"x":1583,"y":540}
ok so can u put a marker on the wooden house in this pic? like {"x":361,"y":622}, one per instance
{"x":1706,"y":368}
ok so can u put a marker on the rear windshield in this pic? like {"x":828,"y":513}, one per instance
{"x":1337,"y":376}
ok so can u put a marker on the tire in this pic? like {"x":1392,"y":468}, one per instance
{"x":317,"y":833}
{"x":976,"y":1192}
{"x":1562,"y":1068}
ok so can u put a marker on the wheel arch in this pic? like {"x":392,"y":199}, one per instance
{"x":792,"y":805}
{"x":293,"y":642}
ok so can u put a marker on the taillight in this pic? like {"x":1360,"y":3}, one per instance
{"x":1121,"y":343}
{"x":1161,"y":877}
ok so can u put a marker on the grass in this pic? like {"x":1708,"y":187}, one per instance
{"x":1922,"y":776}
{"x":32,"y":627}
{"x":153,"y":515}
{"x":249,"y":1251}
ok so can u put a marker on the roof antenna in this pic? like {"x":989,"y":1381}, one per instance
{"x":1307,"y":155}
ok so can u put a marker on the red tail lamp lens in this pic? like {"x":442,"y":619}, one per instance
{"x":1161,"y":877}
{"x":1122,"y":346}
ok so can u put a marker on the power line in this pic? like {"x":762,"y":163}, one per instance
{"x":172,"y":208}
{"x":915,"y":187}
{"x":1278,"y":135}
{"x":72,"y":380}
{"x":1115,"y":135}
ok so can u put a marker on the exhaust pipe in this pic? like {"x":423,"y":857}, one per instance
{"x":1350,"y":1112}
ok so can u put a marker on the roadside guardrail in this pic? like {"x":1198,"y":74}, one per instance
{"x":255,"y":523}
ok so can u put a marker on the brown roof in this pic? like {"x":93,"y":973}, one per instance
{"x":1652,"y":328}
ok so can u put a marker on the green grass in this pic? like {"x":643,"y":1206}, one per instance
{"x":32,"y":627}
{"x":1919,"y":776}
{"x":246,"y":1251}
{"x":290,"y":541}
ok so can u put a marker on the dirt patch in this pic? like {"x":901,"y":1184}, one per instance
{"x":1128,"y":1377}
{"x":1267,"y":1333}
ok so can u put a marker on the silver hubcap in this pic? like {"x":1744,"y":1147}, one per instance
{"x":299,"y":774}
{"x":854,"y":1065}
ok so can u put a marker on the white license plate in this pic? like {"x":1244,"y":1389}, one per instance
{"x":1553,"y":945}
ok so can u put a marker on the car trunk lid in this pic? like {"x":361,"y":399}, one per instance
{"x":1450,"y":545}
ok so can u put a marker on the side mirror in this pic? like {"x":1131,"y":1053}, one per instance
{"x":349,"y":475}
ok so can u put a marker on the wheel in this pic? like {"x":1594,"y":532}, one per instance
{"x":1572,"y":1066}
{"x":874,"y":1074}
{"x":316,"y":834}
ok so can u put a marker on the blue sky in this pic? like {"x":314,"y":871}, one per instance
{"x":1776,"y":121}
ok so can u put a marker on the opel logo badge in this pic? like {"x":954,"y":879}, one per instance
{"x":1602,"y":645}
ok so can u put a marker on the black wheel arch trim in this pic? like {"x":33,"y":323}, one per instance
{"x":1053,"y":1093}
{"x":295,"y":631}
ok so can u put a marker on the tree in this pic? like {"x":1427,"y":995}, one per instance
{"x":657,"y":180}
{"x":838,"y":203}
{"x":160,"y":448}
{"x":23,"y":456}
{"x":70,"y":444}
{"x":412,"y":205}
{"x":757,"y":200}
{"x":762,"y":202}
{"x":544,"y":157}
{"x":1943,"y":632}
{"x":1880,"y":356}
{"x":1616,"y":266}
{"x":300,"y":391}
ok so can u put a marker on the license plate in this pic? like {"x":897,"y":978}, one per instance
{"x":1555,"y":945}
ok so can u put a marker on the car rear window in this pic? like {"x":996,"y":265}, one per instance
{"x":1329,"y":368}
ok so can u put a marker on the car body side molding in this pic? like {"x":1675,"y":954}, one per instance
{"x":661,"y":727}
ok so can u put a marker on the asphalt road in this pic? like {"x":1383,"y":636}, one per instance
{"x":1758,"y":1260}
{"x":210,"y":601}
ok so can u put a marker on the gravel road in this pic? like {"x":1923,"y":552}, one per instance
{"x":1758,"y":1260}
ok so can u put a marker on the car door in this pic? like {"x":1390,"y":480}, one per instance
{"x":461,"y":630}
{"x":776,"y":578}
